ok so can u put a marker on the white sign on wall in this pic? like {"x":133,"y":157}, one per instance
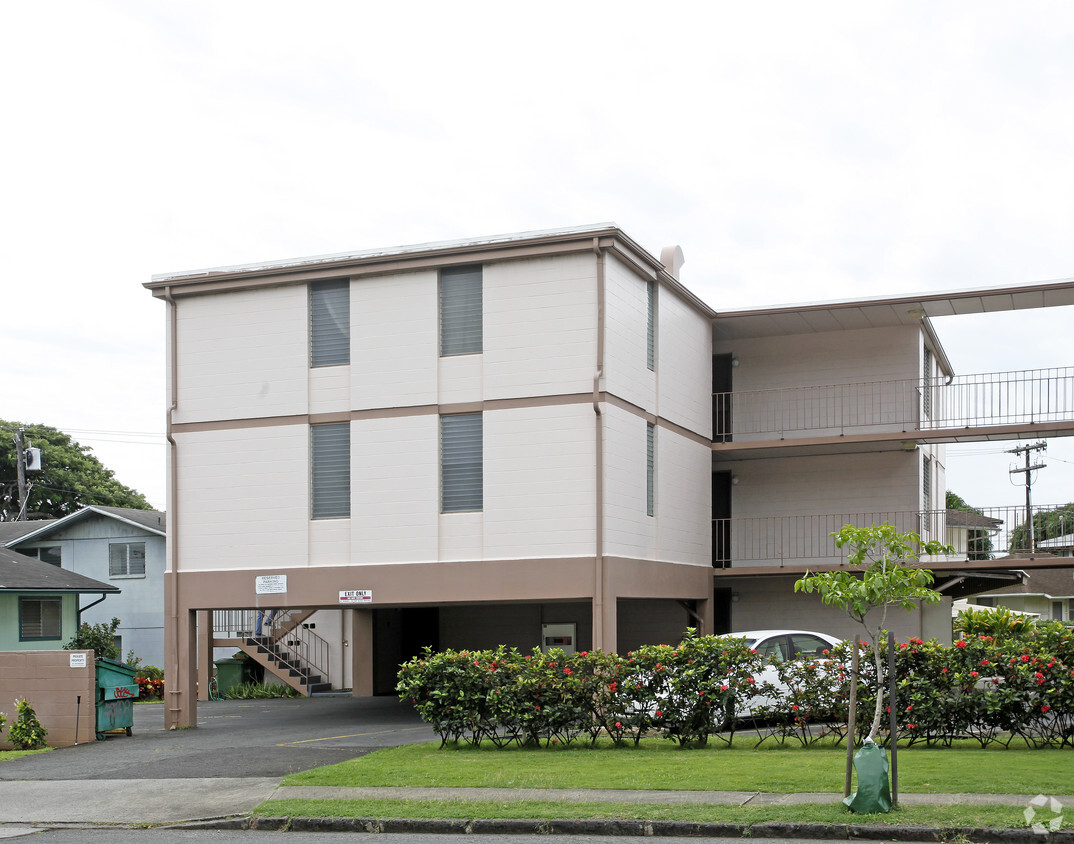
{"x":271,"y":584}
{"x":78,"y":660}
{"x":356,"y":596}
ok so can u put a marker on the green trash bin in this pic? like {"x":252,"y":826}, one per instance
{"x":229,"y":674}
{"x":116,"y":692}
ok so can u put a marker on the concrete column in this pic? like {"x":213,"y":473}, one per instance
{"x":360,"y":637}
{"x":204,"y":652}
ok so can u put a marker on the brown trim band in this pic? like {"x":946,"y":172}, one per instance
{"x":561,"y":399}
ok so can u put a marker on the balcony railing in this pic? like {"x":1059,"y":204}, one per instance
{"x":980,"y":534}
{"x":966,"y":401}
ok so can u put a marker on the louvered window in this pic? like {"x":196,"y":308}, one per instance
{"x":650,"y":469}
{"x":926,"y":484}
{"x":126,"y":559}
{"x":330,"y":461}
{"x":460,"y":311}
{"x":330,"y":323}
{"x":40,"y":618}
{"x":926,"y":387}
{"x":461,"y":471}
{"x":650,"y":339}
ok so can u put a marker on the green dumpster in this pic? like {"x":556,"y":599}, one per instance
{"x":116,"y":691}
{"x":229,"y":673}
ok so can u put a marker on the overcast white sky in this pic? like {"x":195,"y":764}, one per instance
{"x":796,"y":151}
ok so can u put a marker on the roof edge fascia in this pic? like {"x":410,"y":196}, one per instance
{"x":71,"y":518}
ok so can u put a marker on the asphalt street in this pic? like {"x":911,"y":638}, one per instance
{"x":233,"y":761}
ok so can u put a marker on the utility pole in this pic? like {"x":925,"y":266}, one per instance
{"x":20,"y":463}
{"x":1027,"y":471}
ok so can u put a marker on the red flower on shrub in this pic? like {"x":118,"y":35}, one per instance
{"x":659,"y":714}
{"x":960,"y":644}
{"x":974,"y":674}
{"x":1045,"y":708}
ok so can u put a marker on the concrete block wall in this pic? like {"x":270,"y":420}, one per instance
{"x":52,"y":686}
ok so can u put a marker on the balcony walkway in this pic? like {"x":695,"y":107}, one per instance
{"x":983,"y":539}
{"x":894,"y":415}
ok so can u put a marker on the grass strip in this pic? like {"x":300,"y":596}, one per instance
{"x":8,"y":755}
{"x":658,"y":764}
{"x":1001,"y":817}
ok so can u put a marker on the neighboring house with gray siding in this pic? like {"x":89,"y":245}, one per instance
{"x":118,"y":546}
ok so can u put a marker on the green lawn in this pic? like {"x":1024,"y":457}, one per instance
{"x":658,"y":764}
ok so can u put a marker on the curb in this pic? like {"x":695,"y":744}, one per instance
{"x":655,"y":829}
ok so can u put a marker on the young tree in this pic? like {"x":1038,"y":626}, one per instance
{"x":885,"y":580}
{"x":71,"y":478}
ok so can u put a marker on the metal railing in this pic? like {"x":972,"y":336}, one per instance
{"x":966,"y":401}
{"x":978,"y":534}
{"x":308,"y":649}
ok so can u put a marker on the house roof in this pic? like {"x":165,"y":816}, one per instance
{"x":10,"y":531}
{"x":1049,"y":583}
{"x":149,"y":520}
{"x":19,"y":573}
{"x":971,"y":519}
{"x":1064,"y":541}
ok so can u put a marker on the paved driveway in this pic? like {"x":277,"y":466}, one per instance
{"x":241,"y":738}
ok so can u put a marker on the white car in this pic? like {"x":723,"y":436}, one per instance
{"x":779,"y":646}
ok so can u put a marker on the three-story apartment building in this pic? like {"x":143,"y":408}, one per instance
{"x":541,"y":438}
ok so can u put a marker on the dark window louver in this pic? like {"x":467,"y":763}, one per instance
{"x":650,"y":338}
{"x":330,"y":459}
{"x":330,"y":323}
{"x":460,"y":311}
{"x":650,"y":469}
{"x":461,"y":472}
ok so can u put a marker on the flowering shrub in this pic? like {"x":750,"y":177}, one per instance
{"x":989,"y":690}
{"x":695,"y":686}
{"x":149,"y":689}
{"x":26,"y":731}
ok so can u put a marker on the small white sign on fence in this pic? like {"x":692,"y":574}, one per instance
{"x":78,"y":660}
{"x":356,"y":596}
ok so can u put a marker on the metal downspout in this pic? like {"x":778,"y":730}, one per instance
{"x":598,"y":567}
{"x":171,"y":610}
{"x":79,"y":610}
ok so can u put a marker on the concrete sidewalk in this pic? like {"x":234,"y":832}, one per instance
{"x":189,"y":799}
{"x":592,"y":795}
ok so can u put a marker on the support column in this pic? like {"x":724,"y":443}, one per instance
{"x":706,"y":609}
{"x":605,"y":624}
{"x":360,"y":636}
{"x":180,"y":700}
{"x":204,"y":652}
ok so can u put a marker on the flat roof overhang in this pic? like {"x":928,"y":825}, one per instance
{"x":945,"y":567}
{"x":886,"y":441}
{"x":880,"y":311}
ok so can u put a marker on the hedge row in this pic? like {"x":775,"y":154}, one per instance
{"x":978,"y":688}
{"x":683,"y":693}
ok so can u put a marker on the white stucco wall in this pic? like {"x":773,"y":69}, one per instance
{"x":626,"y":372}
{"x":243,"y":354}
{"x":244,"y":498}
{"x":540,"y":329}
